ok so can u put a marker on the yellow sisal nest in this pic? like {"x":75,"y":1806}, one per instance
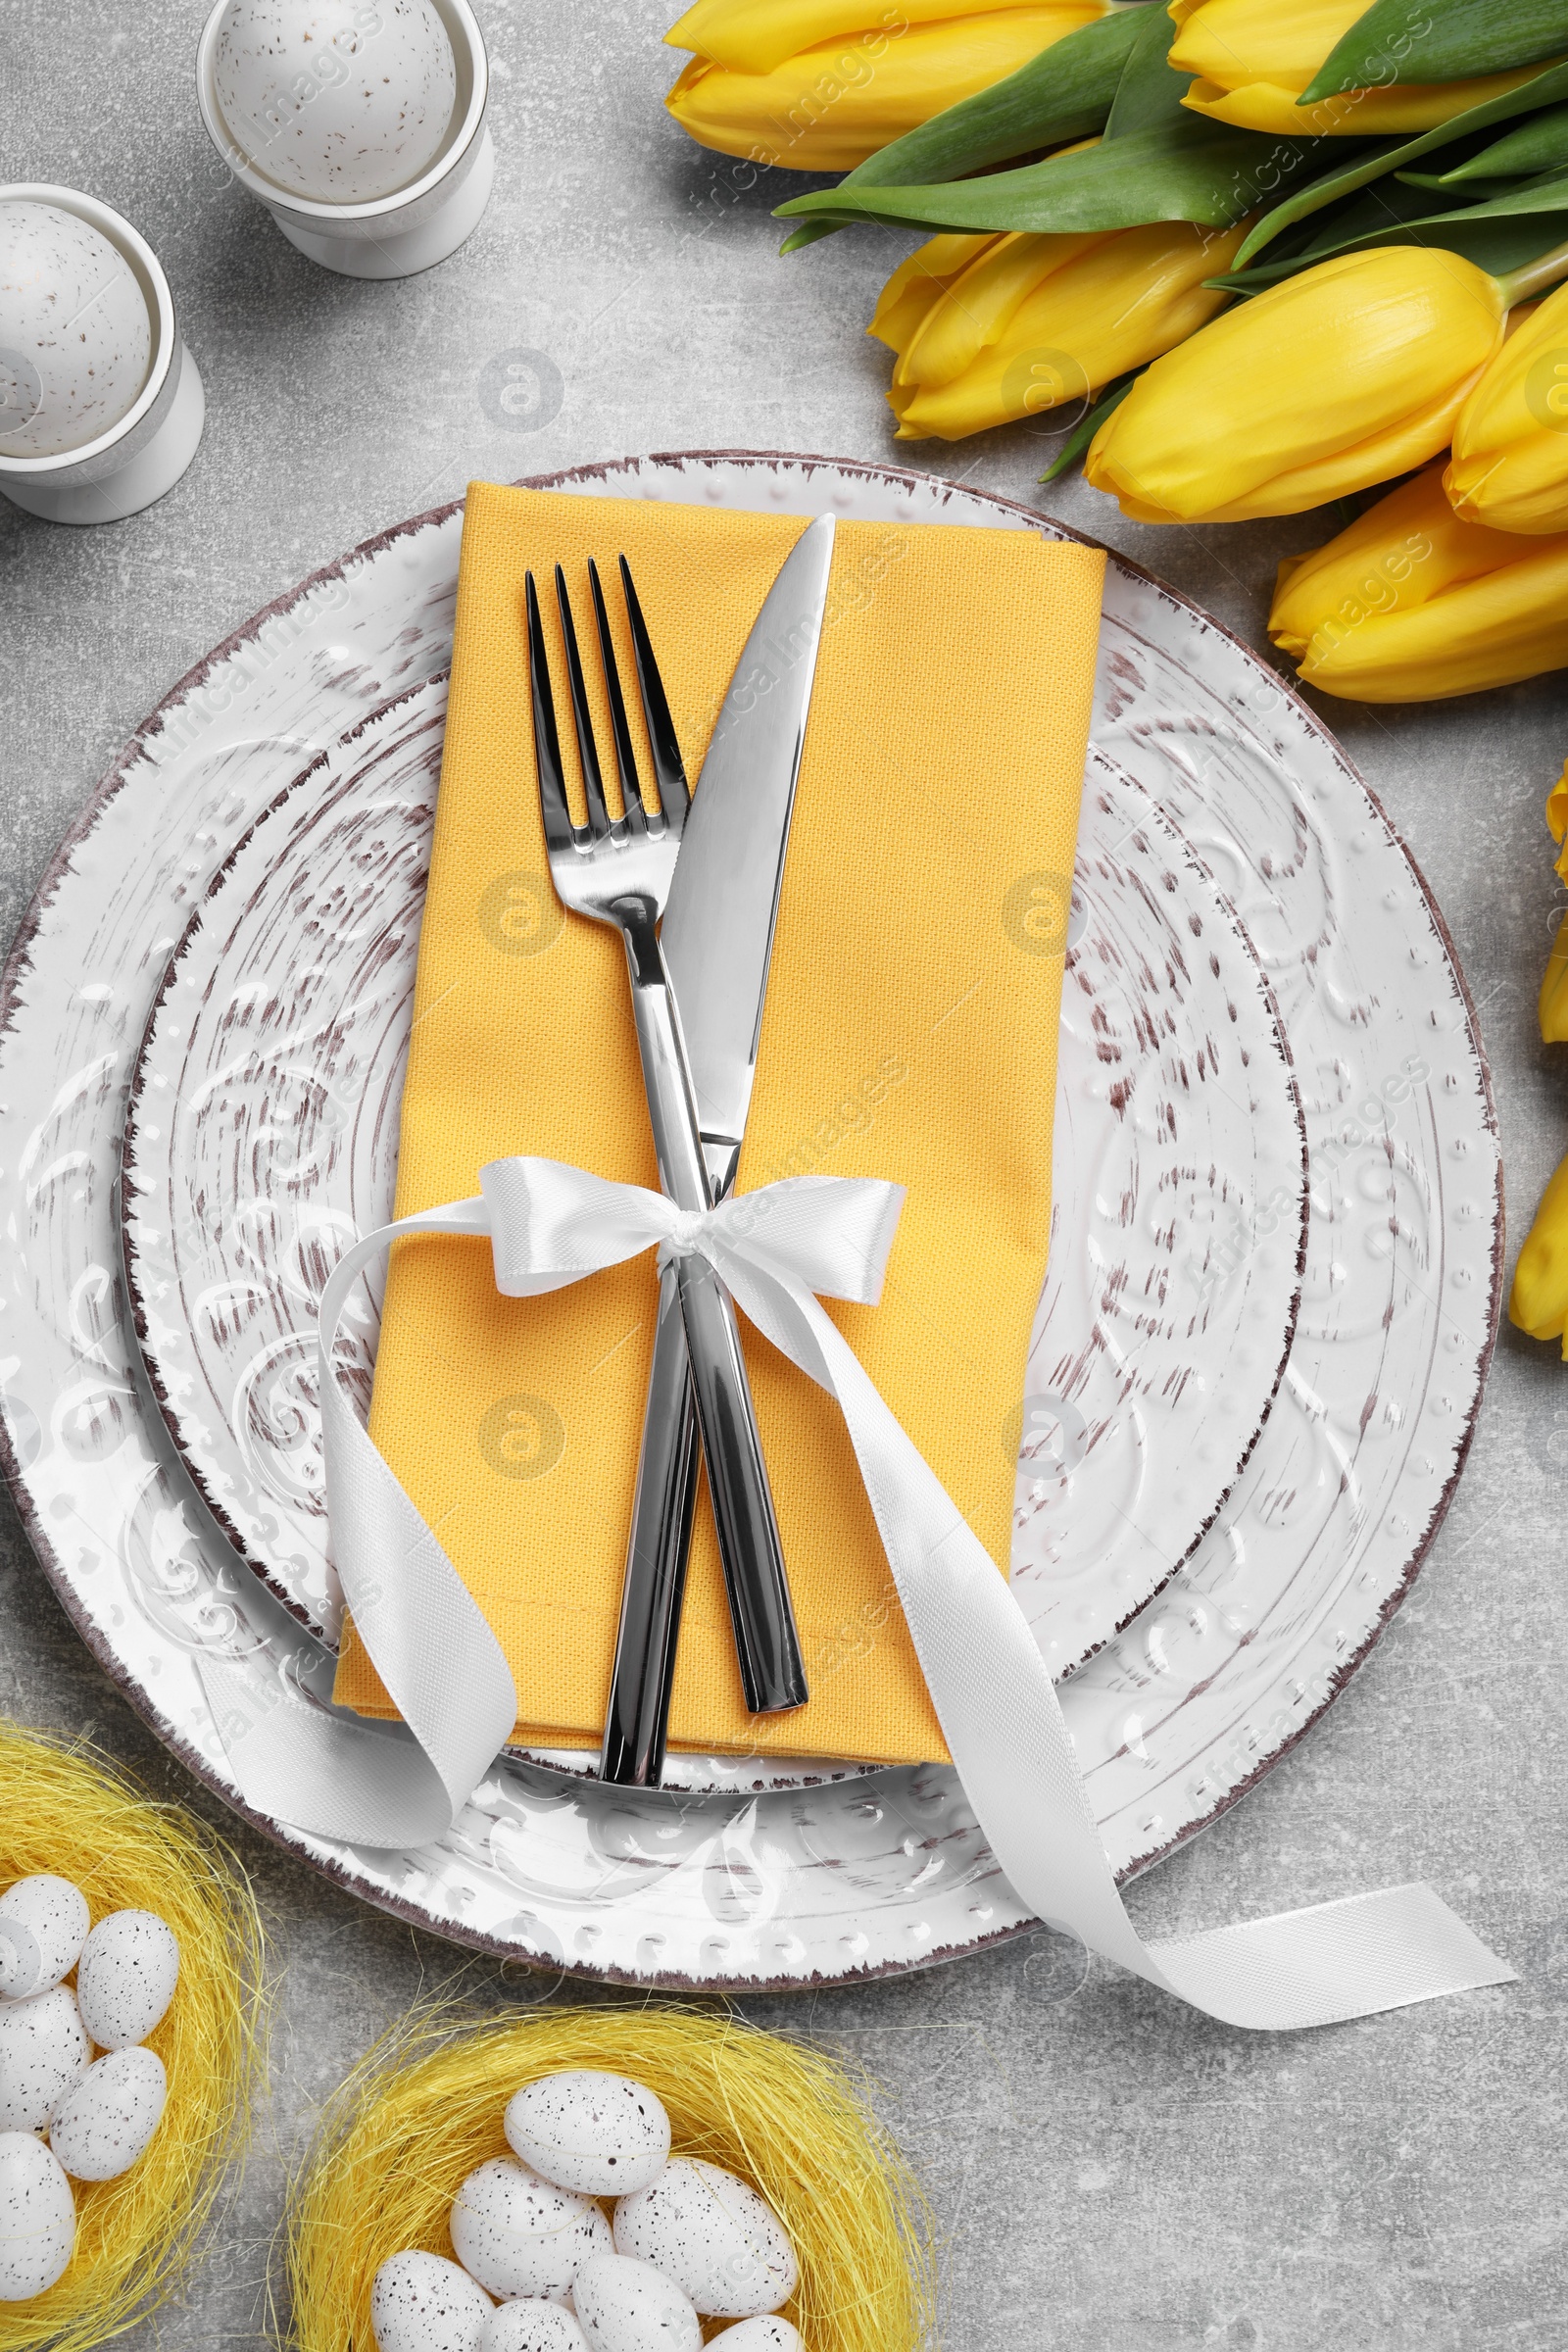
{"x":66,"y":1808}
{"x":425,"y":2106}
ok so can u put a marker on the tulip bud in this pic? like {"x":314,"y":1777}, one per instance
{"x":1411,"y":603}
{"x":1254,"y":58}
{"x":1341,"y":377}
{"x":1510,"y":440}
{"x":992,"y":328}
{"x":1557,"y":822}
{"x":1538,"y":1301}
{"x":1551,"y":1006}
{"x":819,"y":85}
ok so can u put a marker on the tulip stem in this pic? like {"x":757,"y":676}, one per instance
{"x":1521,"y":285}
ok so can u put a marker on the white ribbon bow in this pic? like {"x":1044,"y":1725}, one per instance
{"x":444,"y":1670}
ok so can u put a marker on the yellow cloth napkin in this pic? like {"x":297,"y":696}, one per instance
{"x":909,"y":1033}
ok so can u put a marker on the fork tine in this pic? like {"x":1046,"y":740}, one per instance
{"x":582,"y":717}
{"x":668,"y":768}
{"x":626,"y":758}
{"x":559,"y":831}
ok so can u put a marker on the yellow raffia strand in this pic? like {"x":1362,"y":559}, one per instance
{"x":425,"y":2106}
{"x":67,"y":1808}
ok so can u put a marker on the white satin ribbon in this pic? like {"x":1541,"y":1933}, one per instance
{"x":550,"y":1225}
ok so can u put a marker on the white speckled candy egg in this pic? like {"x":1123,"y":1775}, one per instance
{"x":519,"y":2235}
{"x":626,"y":2306}
{"x":423,"y":2303}
{"x":766,"y":2335}
{"x":126,"y":1978}
{"x":100,"y":2128}
{"x":527,"y":2325}
{"x":342,"y":100}
{"x":601,"y":2135}
{"x":37,"y":2217}
{"x":721,"y":2244}
{"x":43,"y":2052}
{"x":43,"y":1926}
{"x":75,"y":343}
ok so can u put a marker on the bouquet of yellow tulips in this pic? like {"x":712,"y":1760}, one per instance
{"x":1255,"y":255}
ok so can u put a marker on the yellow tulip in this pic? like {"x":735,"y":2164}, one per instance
{"x":1510,"y":440}
{"x":1551,"y":1006}
{"x":991,"y":328}
{"x":1253,"y":59}
{"x":1538,"y":1301}
{"x":1557,"y":821}
{"x":1347,"y":375}
{"x":1411,"y":604}
{"x":818,"y":86}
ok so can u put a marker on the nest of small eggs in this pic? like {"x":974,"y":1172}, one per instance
{"x":109,"y":1898}
{"x":686,"y":2241}
{"x":601,"y":2179}
{"x":99,"y":2118}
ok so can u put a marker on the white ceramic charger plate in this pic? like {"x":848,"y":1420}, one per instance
{"x":261,"y":1139}
{"x":1211,"y":1682}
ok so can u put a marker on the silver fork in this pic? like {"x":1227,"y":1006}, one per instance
{"x":617,"y":870}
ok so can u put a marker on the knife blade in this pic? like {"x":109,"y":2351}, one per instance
{"x":718,"y":928}
{"x":717,"y":943}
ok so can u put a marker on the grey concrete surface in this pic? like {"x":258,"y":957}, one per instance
{"x":1113,"y":2173}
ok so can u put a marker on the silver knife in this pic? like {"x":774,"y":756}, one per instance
{"x":718,"y":943}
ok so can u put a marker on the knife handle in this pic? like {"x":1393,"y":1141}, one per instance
{"x":637,"y":1717}
{"x":766,"y":1643}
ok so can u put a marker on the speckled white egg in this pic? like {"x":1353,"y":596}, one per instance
{"x":527,"y":2325}
{"x":126,"y":1978}
{"x":43,"y":2053}
{"x":601,"y":2135}
{"x":75,"y":343}
{"x":43,"y":1926}
{"x":37,"y":2217}
{"x":101,"y":2127}
{"x":721,"y":2244}
{"x":423,"y":2303}
{"x":769,"y":2333}
{"x":627,"y":2306}
{"x":519,"y":2235}
{"x":342,"y":100}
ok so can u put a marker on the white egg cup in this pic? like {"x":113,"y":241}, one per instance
{"x":412,"y":228}
{"x":125,"y":469}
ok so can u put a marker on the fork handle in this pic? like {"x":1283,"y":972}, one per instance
{"x":637,"y":1717}
{"x":766,"y":1643}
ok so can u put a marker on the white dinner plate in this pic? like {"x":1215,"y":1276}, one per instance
{"x":1213,"y":1680}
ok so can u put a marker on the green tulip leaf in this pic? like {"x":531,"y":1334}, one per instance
{"x":1435,"y":185}
{"x":1386,"y":207}
{"x":1548,"y":194}
{"x":1151,"y":90}
{"x":1440,"y":40}
{"x":1066,"y":92}
{"x":1503,"y":235}
{"x":1370,"y":162}
{"x":1539,"y":145}
{"x":1191,"y":170}
{"x":1084,"y":431}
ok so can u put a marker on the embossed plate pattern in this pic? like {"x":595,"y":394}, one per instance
{"x":261,"y":1139}
{"x":1210,"y":1683}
